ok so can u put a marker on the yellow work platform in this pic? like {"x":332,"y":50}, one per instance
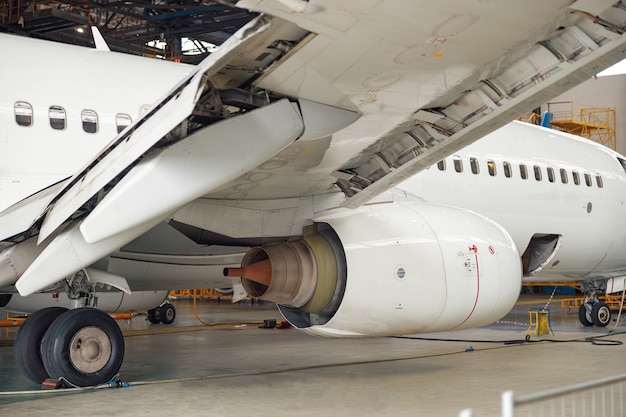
{"x":539,"y":319}
{"x":613,"y":301}
{"x":576,"y":127}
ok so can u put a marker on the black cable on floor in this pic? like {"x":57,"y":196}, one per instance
{"x":594,"y":340}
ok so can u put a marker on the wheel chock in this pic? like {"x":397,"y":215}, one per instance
{"x":50,"y":383}
{"x":268,"y":324}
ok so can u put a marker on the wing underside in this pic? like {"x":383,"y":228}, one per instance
{"x":336,"y":98}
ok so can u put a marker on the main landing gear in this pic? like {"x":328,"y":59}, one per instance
{"x":83,"y":346}
{"x":165,"y":314}
{"x":594,"y":312}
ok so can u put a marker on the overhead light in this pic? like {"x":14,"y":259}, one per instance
{"x":80,"y":29}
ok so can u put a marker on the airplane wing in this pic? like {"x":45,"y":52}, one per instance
{"x":315,"y":96}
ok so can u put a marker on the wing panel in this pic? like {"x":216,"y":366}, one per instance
{"x":146,"y":132}
{"x":193,"y":167}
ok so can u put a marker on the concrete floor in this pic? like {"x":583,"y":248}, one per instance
{"x":269,"y":372}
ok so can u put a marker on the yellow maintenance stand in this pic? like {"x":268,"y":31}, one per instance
{"x":539,"y":322}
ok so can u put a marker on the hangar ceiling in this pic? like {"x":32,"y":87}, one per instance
{"x":182,"y":30}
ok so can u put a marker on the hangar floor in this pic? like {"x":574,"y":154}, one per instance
{"x":193,"y":370}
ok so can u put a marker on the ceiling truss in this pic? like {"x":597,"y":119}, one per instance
{"x":127,"y":25}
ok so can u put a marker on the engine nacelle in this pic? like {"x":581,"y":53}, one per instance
{"x":389,"y":269}
{"x":109,"y":301}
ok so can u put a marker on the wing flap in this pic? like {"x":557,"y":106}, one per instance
{"x":146,"y":132}
{"x":19,"y":217}
{"x":193,"y":167}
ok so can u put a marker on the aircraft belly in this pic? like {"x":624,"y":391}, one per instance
{"x":174,"y":274}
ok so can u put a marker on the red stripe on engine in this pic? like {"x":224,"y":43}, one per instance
{"x":477,"y":291}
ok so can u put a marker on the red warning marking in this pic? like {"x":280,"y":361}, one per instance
{"x":473,"y":248}
{"x":492,"y":250}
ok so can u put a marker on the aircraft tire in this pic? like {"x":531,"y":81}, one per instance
{"x":601,"y":314}
{"x":27,"y":343}
{"x":154,"y":315}
{"x":584,"y":317}
{"x":84,"y":346}
{"x":168,"y":313}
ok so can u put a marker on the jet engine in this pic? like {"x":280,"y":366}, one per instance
{"x":388,"y":269}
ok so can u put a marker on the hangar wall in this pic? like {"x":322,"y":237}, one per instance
{"x":608,"y":91}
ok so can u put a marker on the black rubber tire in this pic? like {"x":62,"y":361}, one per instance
{"x":154,"y":315}
{"x":85,"y":346}
{"x":601,"y":314}
{"x":582,"y":316}
{"x":26,"y":347}
{"x":168,"y":313}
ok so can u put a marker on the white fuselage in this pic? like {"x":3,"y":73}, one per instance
{"x":75,"y":80}
{"x":590,"y":218}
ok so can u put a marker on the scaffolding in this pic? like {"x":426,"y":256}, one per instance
{"x":594,"y":123}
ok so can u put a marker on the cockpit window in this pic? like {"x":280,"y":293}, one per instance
{"x":622,"y":162}
{"x":90,"y":121}
{"x":23,"y":113}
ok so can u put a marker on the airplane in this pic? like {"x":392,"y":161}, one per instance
{"x":288,"y":141}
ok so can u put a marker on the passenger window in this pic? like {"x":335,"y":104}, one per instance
{"x":576,"y":177}
{"x":563,"y":176}
{"x":23,"y":113}
{"x":523,"y":172}
{"x":507,"y":169}
{"x":491,"y":168}
{"x":537,"y":170}
{"x":474,"y":166}
{"x":441,"y":165}
{"x":599,"y":181}
{"x":458,"y":164}
{"x":550,"y":174}
{"x":90,"y":121}
{"x":122,"y":121}
{"x":56,"y":114}
{"x":588,"y":179}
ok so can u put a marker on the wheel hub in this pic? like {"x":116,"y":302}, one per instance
{"x":90,"y":350}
